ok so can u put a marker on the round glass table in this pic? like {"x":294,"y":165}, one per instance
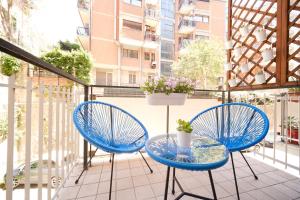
{"x":204,"y":154}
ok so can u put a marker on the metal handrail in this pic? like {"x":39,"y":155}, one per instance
{"x":83,"y":4}
{"x":184,"y":43}
{"x":181,"y":2}
{"x":151,"y":36}
{"x":187,"y":23}
{"x":151,"y":13}
{"x":85,"y":31}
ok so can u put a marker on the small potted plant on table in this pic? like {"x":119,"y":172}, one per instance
{"x":172,"y":91}
{"x":184,"y":134}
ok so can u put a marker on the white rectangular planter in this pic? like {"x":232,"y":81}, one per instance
{"x":163,"y":99}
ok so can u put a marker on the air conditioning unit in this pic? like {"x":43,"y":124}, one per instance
{"x":153,"y":64}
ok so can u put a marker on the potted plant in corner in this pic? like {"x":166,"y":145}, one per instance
{"x":184,"y":133}
{"x":172,"y":91}
{"x":292,"y":128}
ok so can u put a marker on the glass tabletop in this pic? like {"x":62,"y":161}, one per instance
{"x":204,"y":153}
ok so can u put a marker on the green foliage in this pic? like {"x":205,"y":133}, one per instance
{"x":9,"y":65}
{"x":68,"y":46}
{"x":291,"y":122}
{"x":184,"y":126}
{"x":168,"y":86}
{"x":75,"y":62}
{"x":2,"y":186}
{"x":295,"y":89}
{"x":3,"y":129}
{"x":60,"y":59}
{"x":203,"y":61}
{"x":82,"y":65}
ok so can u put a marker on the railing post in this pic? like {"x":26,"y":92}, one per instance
{"x":40,"y":139}
{"x":28,"y":138}
{"x":223,"y":97}
{"x":10,"y":138}
{"x":85,"y":144}
{"x":228,"y":96}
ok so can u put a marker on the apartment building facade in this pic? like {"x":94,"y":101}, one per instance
{"x":132,"y":41}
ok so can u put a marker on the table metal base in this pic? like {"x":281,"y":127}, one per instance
{"x":183,"y":193}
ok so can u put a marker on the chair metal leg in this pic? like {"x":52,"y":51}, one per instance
{"x":151,"y":171}
{"x":233,"y":168}
{"x":111,"y":175}
{"x":167,"y":183}
{"x":212,"y":185}
{"x":249,"y":166}
{"x":86,"y":167}
{"x":90,"y":155}
{"x":173,"y":184}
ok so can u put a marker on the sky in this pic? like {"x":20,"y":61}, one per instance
{"x":51,"y":21}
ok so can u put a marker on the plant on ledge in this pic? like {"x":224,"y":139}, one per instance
{"x":171,"y":91}
{"x":168,"y":86}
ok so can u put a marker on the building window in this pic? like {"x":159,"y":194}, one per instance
{"x":104,"y":78}
{"x":201,"y":18}
{"x":134,"y":2}
{"x":167,"y":29}
{"x":167,"y":9}
{"x":147,"y":56}
{"x":201,"y":37}
{"x":167,"y":50}
{"x":153,"y":56}
{"x":128,"y":53}
{"x":166,"y":68}
{"x":132,"y":78}
{"x":132,"y":25}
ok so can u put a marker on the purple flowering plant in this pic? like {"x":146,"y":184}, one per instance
{"x":168,"y":85}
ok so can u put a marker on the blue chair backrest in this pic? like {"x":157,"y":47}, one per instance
{"x":108,"y":125}
{"x":236,"y":125}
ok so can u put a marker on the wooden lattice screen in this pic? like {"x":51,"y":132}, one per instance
{"x":280,"y":21}
{"x":294,"y":41}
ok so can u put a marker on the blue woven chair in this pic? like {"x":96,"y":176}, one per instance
{"x":236,"y":125}
{"x":110,"y":129}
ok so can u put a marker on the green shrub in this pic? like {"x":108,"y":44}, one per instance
{"x":9,"y":65}
{"x":77,"y":63}
{"x":3,"y":129}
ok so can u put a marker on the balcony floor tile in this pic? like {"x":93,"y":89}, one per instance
{"x":133,"y":181}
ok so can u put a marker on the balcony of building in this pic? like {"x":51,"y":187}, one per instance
{"x":83,"y":34}
{"x":186,"y":26}
{"x":152,"y":3}
{"x":183,"y":44}
{"x":151,"y":40}
{"x":84,"y":10}
{"x":185,"y":7}
{"x":131,"y":37}
{"x":151,"y":17}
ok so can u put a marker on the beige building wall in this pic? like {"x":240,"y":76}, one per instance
{"x":121,"y":37}
{"x":214,"y":27}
